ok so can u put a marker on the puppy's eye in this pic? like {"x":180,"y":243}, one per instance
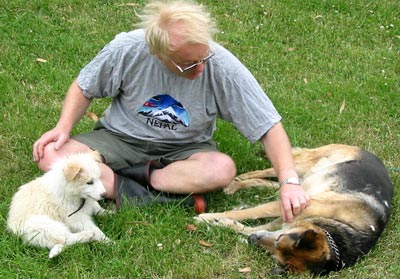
{"x":90,"y":182}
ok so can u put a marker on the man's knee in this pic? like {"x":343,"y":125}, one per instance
{"x":229,"y":165}
{"x":224,"y":168}
{"x":50,"y":154}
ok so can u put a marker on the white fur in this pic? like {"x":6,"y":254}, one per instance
{"x":39,"y":210}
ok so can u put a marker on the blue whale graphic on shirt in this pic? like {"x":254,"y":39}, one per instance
{"x":165,"y":109}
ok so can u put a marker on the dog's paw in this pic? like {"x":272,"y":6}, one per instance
{"x":82,"y":237}
{"x":56,"y":250}
{"x":203,"y":218}
{"x":107,"y":241}
{"x":99,"y":236}
{"x":230,"y":223}
{"x":219,"y":221}
{"x":233,"y":187}
{"x":110,"y":211}
{"x":209,"y":218}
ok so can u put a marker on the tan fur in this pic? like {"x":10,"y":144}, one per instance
{"x":71,"y":171}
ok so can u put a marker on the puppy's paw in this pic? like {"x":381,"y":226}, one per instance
{"x":107,"y":241}
{"x":85,"y":236}
{"x":99,"y":236}
{"x":106,"y":212}
{"x":56,"y":250}
{"x":110,"y":211}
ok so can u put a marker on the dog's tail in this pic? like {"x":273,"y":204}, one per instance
{"x":56,"y":250}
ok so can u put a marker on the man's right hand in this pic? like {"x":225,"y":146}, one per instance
{"x":55,"y":135}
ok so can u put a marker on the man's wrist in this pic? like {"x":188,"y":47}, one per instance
{"x":290,"y":180}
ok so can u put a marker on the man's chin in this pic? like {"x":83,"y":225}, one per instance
{"x":193,"y":76}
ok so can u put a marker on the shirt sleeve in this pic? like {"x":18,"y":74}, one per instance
{"x":241,"y":100}
{"x":102,"y":77}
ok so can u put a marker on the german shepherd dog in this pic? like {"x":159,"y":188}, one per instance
{"x":351,"y":195}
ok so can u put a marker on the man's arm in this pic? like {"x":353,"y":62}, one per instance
{"x":74,"y":107}
{"x":278,"y":149}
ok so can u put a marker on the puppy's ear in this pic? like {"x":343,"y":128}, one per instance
{"x":71,"y":171}
{"x":96,"y":156}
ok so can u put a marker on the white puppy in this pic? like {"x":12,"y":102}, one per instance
{"x":55,"y":209}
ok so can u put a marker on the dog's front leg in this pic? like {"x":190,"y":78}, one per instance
{"x":93,"y":207}
{"x":98,"y":234}
{"x":271,"y":209}
{"x":246,"y":230}
{"x":100,"y":211}
{"x":232,"y":224}
{"x":81,"y":223}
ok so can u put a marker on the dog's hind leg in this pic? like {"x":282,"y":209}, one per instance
{"x":247,"y":230}
{"x":265,"y":173}
{"x":71,"y":239}
{"x":252,"y":179}
{"x":56,"y":250}
{"x":238,"y":184}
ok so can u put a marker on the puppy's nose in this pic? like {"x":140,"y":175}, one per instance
{"x":103,"y":195}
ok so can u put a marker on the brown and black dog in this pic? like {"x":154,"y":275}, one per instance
{"x":351,"y":195}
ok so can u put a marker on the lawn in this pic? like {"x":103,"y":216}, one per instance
{"x":332,"y":69}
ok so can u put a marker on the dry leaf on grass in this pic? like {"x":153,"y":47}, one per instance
{"x":245,"y":270}
{"x":92,"y":115}
{"x":41,"y":60}
{"x":205,"y":244}
{"x":342,"y":107}
{"x":190,"y":227}
{"x":130,"y":5}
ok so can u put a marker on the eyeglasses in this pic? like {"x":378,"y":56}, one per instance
{"x":202,"y":61}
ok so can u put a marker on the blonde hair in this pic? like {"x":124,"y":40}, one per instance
{"x":157,"y":17}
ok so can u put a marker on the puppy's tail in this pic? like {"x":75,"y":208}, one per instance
{"x":56,"y":250}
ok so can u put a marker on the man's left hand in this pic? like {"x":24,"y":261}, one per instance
{"x":293,"y":200}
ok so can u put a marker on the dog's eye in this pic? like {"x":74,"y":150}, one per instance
{"x":90,"y":182}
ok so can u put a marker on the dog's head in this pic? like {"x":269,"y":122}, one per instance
{"x":298,"y":247}
{"x":82,"y":174}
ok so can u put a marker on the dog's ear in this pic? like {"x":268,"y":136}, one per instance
{"x":306,"y":240}
{"x":96,"y":156}
{"x":71,"y":171}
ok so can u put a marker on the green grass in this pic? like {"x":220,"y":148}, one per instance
{"x":309,"y":56}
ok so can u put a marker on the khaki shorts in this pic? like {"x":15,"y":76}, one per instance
{"x":120,"y":151}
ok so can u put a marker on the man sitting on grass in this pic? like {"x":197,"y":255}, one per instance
{"x":169,"y":81}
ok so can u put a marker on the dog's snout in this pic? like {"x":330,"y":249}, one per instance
{"x":103,"y":195}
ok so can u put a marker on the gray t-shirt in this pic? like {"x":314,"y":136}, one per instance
{"x":150,"y":102}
